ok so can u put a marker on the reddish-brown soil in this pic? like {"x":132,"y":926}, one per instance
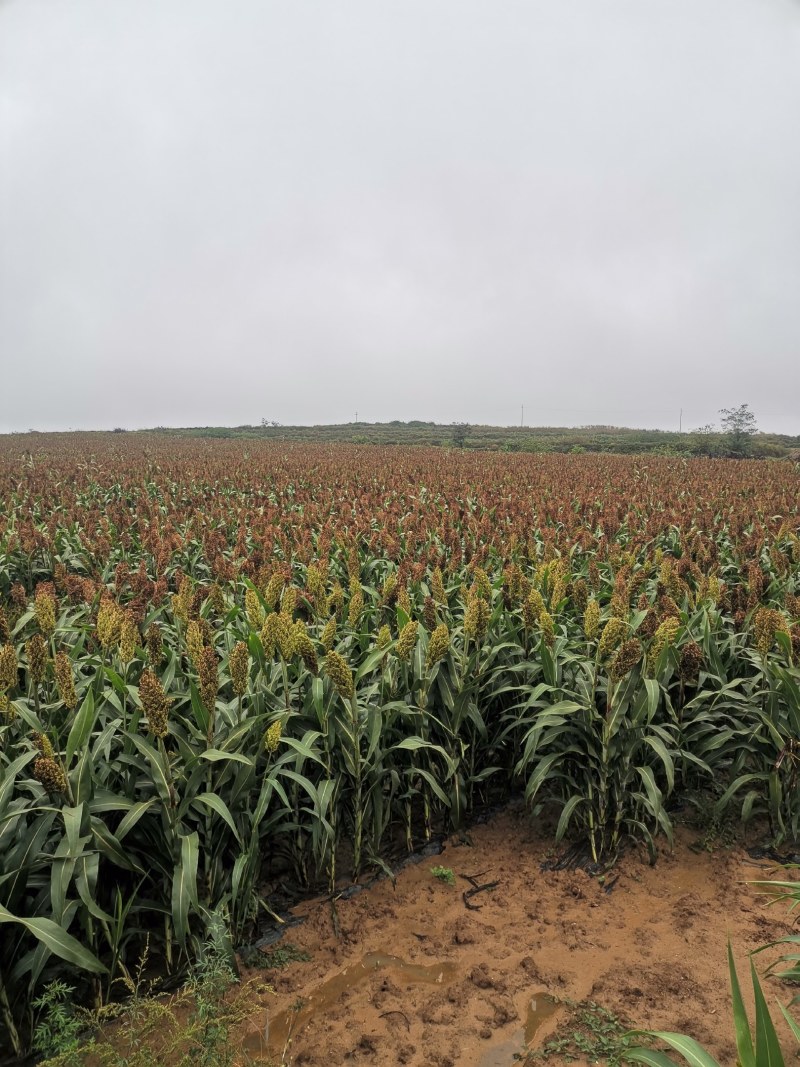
{"x":458,"y":984}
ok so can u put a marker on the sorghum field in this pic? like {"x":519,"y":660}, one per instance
{"x":223,"y":659}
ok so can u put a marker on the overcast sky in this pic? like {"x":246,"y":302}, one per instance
{"x":214,"y":212}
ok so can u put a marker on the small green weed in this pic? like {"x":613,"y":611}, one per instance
{"x":58,"y":1029}
{"x":591,"y":1032}
{"x":444,"y":874}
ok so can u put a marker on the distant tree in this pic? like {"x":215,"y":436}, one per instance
{"x":739,"y":426}
{"x":460,"y":431}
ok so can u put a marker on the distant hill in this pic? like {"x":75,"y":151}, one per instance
{"x":608,"y":439}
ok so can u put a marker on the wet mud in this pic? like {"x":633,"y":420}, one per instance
{"x":416,"y":977}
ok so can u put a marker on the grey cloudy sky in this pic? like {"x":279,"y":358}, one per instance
{"x":212,"y":212}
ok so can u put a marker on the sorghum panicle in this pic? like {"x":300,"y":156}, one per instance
{"x":438,"y":645}
{"x":155,"y":647}
{"x":272,"y":736}
{"x":253,"y":609}
{"x":407,"y":639}
{"x":437,"y":586}
{"x":613,"y":634}
{"x":625,"y":659}
{"x":44,"y":607}
{"x":128,"y":638}
{"x":328,"y":635}
{"x":8,"y":668}
{"x":65,"y":681}
{"x":239,"y":666}
{"x":339,"y":672}
{"x":207,"y":670}
{"x":36,"y":651}
{"x":194,"y":642}
{"x":591,"y":619}
{"x":155,"y":703}
{"x":304,"y":647}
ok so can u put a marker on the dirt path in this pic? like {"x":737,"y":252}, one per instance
{"x":417,"y":978}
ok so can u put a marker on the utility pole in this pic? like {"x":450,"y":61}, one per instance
{"x":680,"y":422}
{"x":521,"y":416}
{"x":356,"y":418}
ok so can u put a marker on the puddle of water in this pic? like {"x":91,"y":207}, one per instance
{"x":541,"y":1007}
{"x":288,"y":1024}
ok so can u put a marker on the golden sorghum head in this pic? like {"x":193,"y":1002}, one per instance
{"x":437,"y":586}
{"x":625,"y":659}
{"x":194,"y":642}
{"x":691,"y":660}
{"x":335,"y":601}
{"x":269,"y":634}
{"x":315,"y":585}
{"x":389,"y":591}
{"x":44,"y":607}
{"x":284,"y":636}
{"x":239,"y":666}
{"x":438,"y":645}
{"x":559,"y":592}
{"x":340,"y":674}
{"x":547,"y":627}
{"x":207,"y":669}
{"x":404,"y":600}
{"x":512,"y":582}
{"x":182,"y":600}
{"x":273,"y":590}
{"x":328,"y":636}
{"x":272,"y":736}
{"x":591,"y":619}
{"x":407,"y":639}
{"x":481,"y":586}
{"x":665,"y":637}
{"x":128,"y":638}
{"x":42,"y":743}
{"x":155,"y":648}
{"x":65,"y":681}
{"x":476,"y":619}
{"x":580,"y":594}
{"x":384,"y":638}
{"x":613,"y":634}
{"x":48,"y":771}
{"x":429,"y":613}
{"x":356,"y":605}
{"x":8,"y":668}
{"x":766,"y":623}
{"x":594,"y":574}
{"x":5,"y":629}
{"x":6,"y":707}
{"x":109,"y":623}
{"x":304,"y":647}
{"x":619,"y":606}
{"x":253,"y":608}
{"x":216,"y":599}
{"x":155,"y":703}
{"x":289,"y":601}
{"x":532,"y":608}
{"x":36,"y":651}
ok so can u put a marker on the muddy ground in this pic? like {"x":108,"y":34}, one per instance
{"x":416,"y":977}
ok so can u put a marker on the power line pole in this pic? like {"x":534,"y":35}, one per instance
{"x":521,"y":416}
{"x":680,"y":422}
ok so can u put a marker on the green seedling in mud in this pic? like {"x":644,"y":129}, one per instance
{"x":444,"y":874}
{"x":591,"y":1033}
